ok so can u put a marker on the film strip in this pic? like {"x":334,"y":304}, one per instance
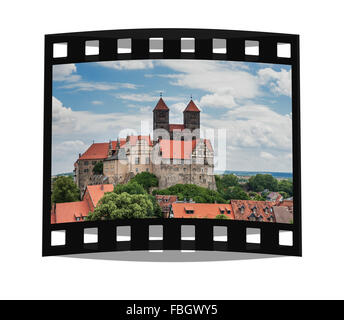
{"x":138,"y":44}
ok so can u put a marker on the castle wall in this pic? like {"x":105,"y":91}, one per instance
{"x":171,"y":174}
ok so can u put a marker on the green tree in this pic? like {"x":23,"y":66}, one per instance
{"x":146,"y":179}
{"x":131,"y":187}
{"x":64,"y":190}
{"x":197,"y":193}
{"x":259,"y":182}
{"x":98,"y":168}
{"x":236,"y":193}
{"x":122,"y":206}
{"x":286,"y":186}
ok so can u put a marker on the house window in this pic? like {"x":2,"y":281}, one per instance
{"x":147,"y":160}
{"x":77,"y":218}
{"x":137,"y":160}
{"x":189,"y":211}
{"x":85,"y":170}
{"x":86,"y":163}
{"x":147,"y":169}
{"x":242,"y":209}
{"x":137,"y":170}
{"x":94,"y":162}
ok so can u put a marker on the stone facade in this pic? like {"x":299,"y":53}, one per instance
{"x":177,"y":156}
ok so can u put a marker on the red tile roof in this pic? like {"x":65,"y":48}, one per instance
{"x":96,"y":151}
{"x":201,"y":210}
{"x":68,"y":211}
{"x":283,"y":214}
{"x":192,"y":107}
{"x":133,"y":140}
{"x":176,"y":127}
{"x":177,"y":149}
{"x":97,"y":191}
{"x":180,"y":149}
{"x":250,"y":209}
{"x":161,"y":105}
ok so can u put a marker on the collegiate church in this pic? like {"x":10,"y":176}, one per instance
{"x":176,"y":154}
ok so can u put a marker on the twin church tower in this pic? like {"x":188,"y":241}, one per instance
{"x":190,"y":129}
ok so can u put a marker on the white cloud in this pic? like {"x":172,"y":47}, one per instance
{"x":67,"y":123}
{"x":97,"y":102}
{"x":65,"y":72}
{"x":258,"y":138}
{"x":101,"y":86}
{"x":128,"y":64}
{"x":267,"y":155}
{"x":224,"y":83}
{"x":143,"y":97}
{"x":278,"y":81}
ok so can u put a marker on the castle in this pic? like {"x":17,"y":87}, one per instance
{"x":176,"y":154}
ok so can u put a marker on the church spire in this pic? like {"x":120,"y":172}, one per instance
{"x":161,"y":105}
{"x":191,"y":107}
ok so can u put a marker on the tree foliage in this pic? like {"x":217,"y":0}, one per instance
{"x":98,"y":168}
{"x":132,"y":187}
{"x":226,"y":180}
{"x":286,"y":186}
{"x":146,"y":179}
{"x":64,"y":190}
{"x":197,"y":193}
{"x":236,"y":193}
{"x":259,"y":182}
{"x":122,"y":206}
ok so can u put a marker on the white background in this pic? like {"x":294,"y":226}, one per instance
{"x":25,"y":274}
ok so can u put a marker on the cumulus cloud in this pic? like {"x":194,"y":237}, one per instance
{"x":143,"y":97}
{"x":279,"y":82}
{"x":224,"y":82}
{"x":128,"y":64}
{"x":97,"y":102}
{"x":267,"y":155}
{"x":101,"y":86}
{"x":65,"y":72}
{"x":68,"y":123}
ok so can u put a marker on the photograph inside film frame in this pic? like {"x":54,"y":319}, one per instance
{"x":197,"y":139}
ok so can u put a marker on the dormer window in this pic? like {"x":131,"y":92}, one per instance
{"x":189,"y":210}
{"x":242,"y":209}
{"x":228,"y":211}
{"x":254,"y":209}
{"x":252,"y":217}
{"x":266,"y":210}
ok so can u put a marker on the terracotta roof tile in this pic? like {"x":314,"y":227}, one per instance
{"x":96,"y":151}
{"x":97,"y":191}
{"x":133,"y":140}
{"x":201,"y":210}
{"x":176,"y":127}
{"x":192,"y":107}
{"x":260,"y":210}
{"x":68,"y":211}
{"x":161,"y":105}
{"x":180,"y":149}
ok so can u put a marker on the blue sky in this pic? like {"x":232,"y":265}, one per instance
{"x":250,"y":101}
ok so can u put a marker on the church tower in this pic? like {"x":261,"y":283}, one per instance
{"x":192,"y":118}
{"x":161,"y":118}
